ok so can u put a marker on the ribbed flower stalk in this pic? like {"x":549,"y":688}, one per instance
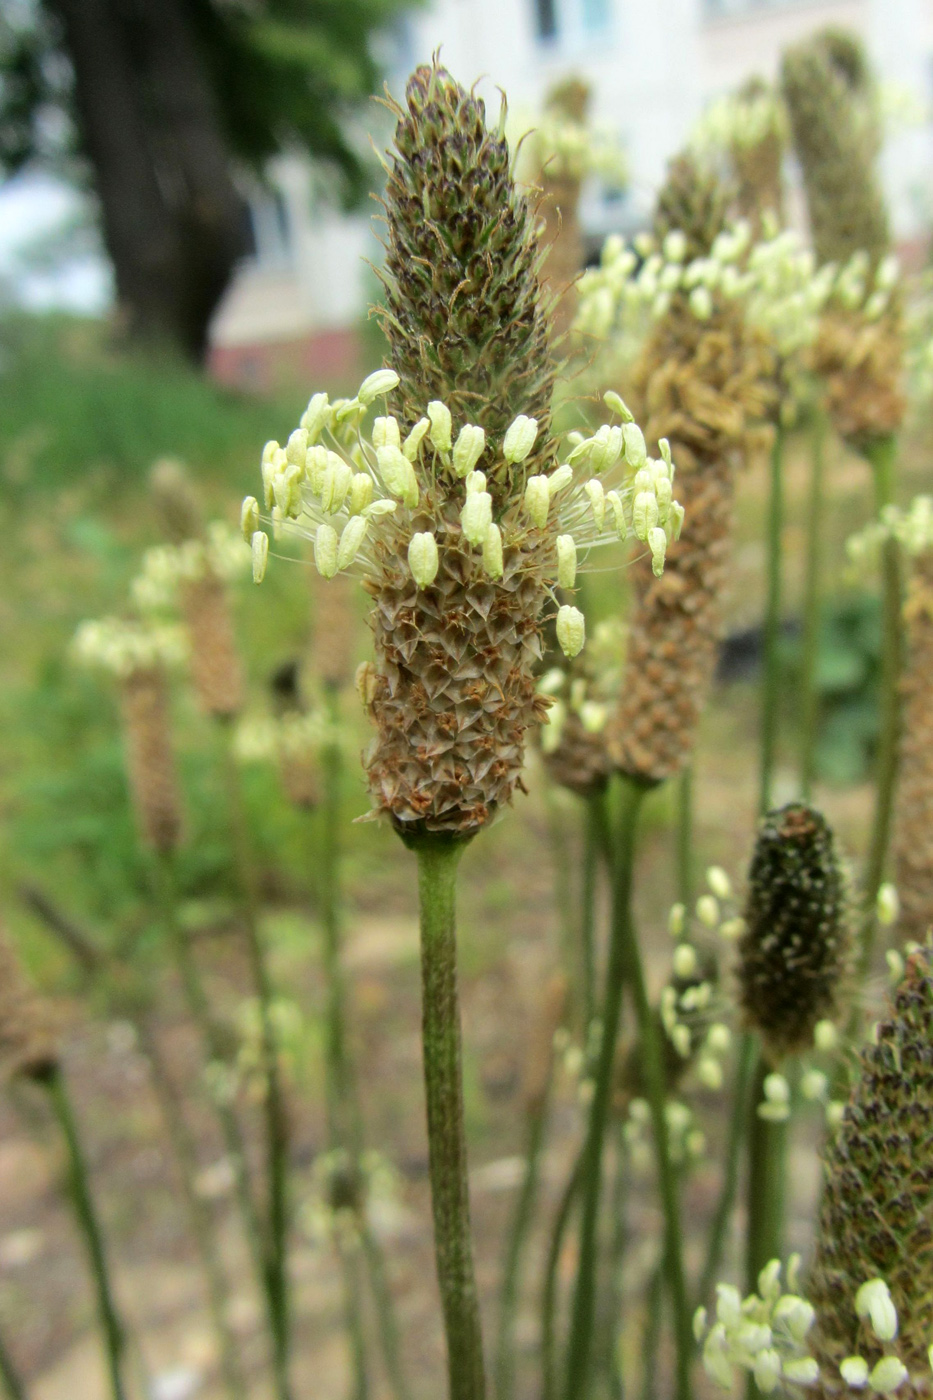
{"x":877,"y":1204}
{"x":913,"y":827}
{"x":460,"y":518}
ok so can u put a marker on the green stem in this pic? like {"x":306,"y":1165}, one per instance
{"x":212,"y":1035}
{"x":770,"y":692}
{"x":353,"y":1313}
{"x":186,"y":1158}
{"x":609,"y":1360}
{"x":767,"y":1151}
{"x":685,"y":854}
{"x":568,"y":931}
{"x":883,"y":457}
{"x":438,"y":859}
{"x":580,"y":1345}
{"x":10,"y":1377}
{"x":344,"y":1111}
{"x":273,"y":1099}
{"x":594,"y":823}
{"x":549,"y":1290}
{"x":80,"y":1191}
{"x":537,"y":1117}
{"x":812,"y":598}
{"x":652,"y":1336}
{"x":738,"y":1120}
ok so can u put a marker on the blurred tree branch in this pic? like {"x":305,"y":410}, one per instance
{"x":156,"y":102}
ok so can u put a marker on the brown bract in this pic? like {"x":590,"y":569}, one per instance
{"x":149,"y":758}
{"x":861,"y":363}
{"x":215,"y":661}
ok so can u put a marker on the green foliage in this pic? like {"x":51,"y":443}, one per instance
{"x":847,"y":677}
{"x":286,"y":73}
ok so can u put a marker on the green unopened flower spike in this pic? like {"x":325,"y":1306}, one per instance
{"x":794,"y":952}
{"x":871,"y":1280}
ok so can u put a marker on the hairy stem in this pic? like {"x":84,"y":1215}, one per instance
{"x":685,"y":851}
{"x":80,"y":1191}
{"x":738,"y":1121}
{"x":276,"y":1120}
{"x":883,"y":459}
{"x":580,"y":1345}
{"x":770,"y":690}
{"x":438,"y":859}
{"x":812,"y":601}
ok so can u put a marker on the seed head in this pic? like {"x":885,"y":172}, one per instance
{"x":794,"y":952}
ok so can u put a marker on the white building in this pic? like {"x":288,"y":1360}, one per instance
{"x":652,"y":65}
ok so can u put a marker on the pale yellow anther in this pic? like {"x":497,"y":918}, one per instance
{"x":537,"y":500}
{"x":386,"y":432}
{"x":297,"y":446}
{"x":441,"y":425}
{"x":249,"y":517}
{"x":352,"y":536}
{"x":614,"y":500}
{"x":259,"y":549}
{"x":571,"y":630}
{"x":597,"y":499}
{"x":415,"y":438}
{"x":360,"y":493}
{"x":469,"y":447}
{"x":476,"y":481}
{"x":336,"y":484}
{"x":519,"y":438}
{"x":423,"y":558}
{"x":325,"y":550}
{"x":566,"y":561}
{"x":398,"y":474}
{"x":636,"y":453}
{"x":476,"y":516}
{"x":492,"y":552}
{"x":616,"y":404}
{"x":381,"y":381}
{"x":315,"y":417}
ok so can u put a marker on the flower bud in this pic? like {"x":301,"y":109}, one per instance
{"x":597,"y":499}
{"x":325,"y":550}
{"x":398,"y":475}
{"x":492,"y":552}
{"x":709,"y":1073}
{"x":441,"y":425}
{"x":636,"y":453}
{"x":386,"y":432}
{"x":719,"y":882}
{"x":381,"y":381}
{"x":708,"y":910}
{"x":873,"y":1300}
{"x":616,"y":404}
{"x":336,"y":484}
{"x":476,"y":516}
{"x":423,"y":558}
{"x":657,"y":543}
{"x":685,"y":960}
{"x":415,"y":438}
{"x":315,"y":417}
{"x":351,"y":538}
{"x":519,"y":438}
{"x":854,"y":1371}
{"x":469,"y":447}
{"x":571,"y":630}
{"x":259,"y":547}
{"x":644,"y":514}
{"x":249,"y":517}
{"x":537,"y":500}
{"x":718,"y":1038}
{"x":825,"y":1036}
{"x":618,"y":513}
{"x":297,"y":447}
{"x":360,"y":493}
{"x":566,"y":561}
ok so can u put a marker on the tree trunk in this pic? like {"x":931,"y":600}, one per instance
{"x":174,"y":224}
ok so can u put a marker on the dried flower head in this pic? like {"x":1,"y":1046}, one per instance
{"x":794,"y":952}
{"x":458,"y":514}
{"x":872,"y":1272}
{"x":750,"y":128}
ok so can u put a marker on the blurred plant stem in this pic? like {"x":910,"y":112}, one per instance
{"x":594,"y":834}
{"x":767,"y":1152}
{"x":812,"y":602}
{"x":652,"y":1333}
{"x":572,"y":953}
{"x":10,"y":1378}
{"x":685,"y":852}
{"x":536,"y":1120}
{"x":438,"y":859}
{"x":549,"y":1378}
{"x":345,"y":1118}
{"x":273,"y":1097}
{"x":218,"y":1052}
{"x":609,"y":1368}
{"x":79,"y":1189}
{"x":624,"y":965}
{"x":771,"y":672}
{"x":134,"y":1000}
{"x":738,"y":1122}
{"x":186,"y":1158}
{"x":882,"y":456}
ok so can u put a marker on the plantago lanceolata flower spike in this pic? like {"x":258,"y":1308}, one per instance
{"x":464,"y":318}
{"x":871,"y":1280}
{"x":794,"y":953}
{"x":462,"y":559}
{"x":703,"y":387}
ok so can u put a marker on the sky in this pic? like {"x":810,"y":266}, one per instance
{"x":32,"y":205}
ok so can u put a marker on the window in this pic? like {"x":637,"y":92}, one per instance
{"x":595,"y":16}
{"x":570,"y":21}
{"x":545,"y":18}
